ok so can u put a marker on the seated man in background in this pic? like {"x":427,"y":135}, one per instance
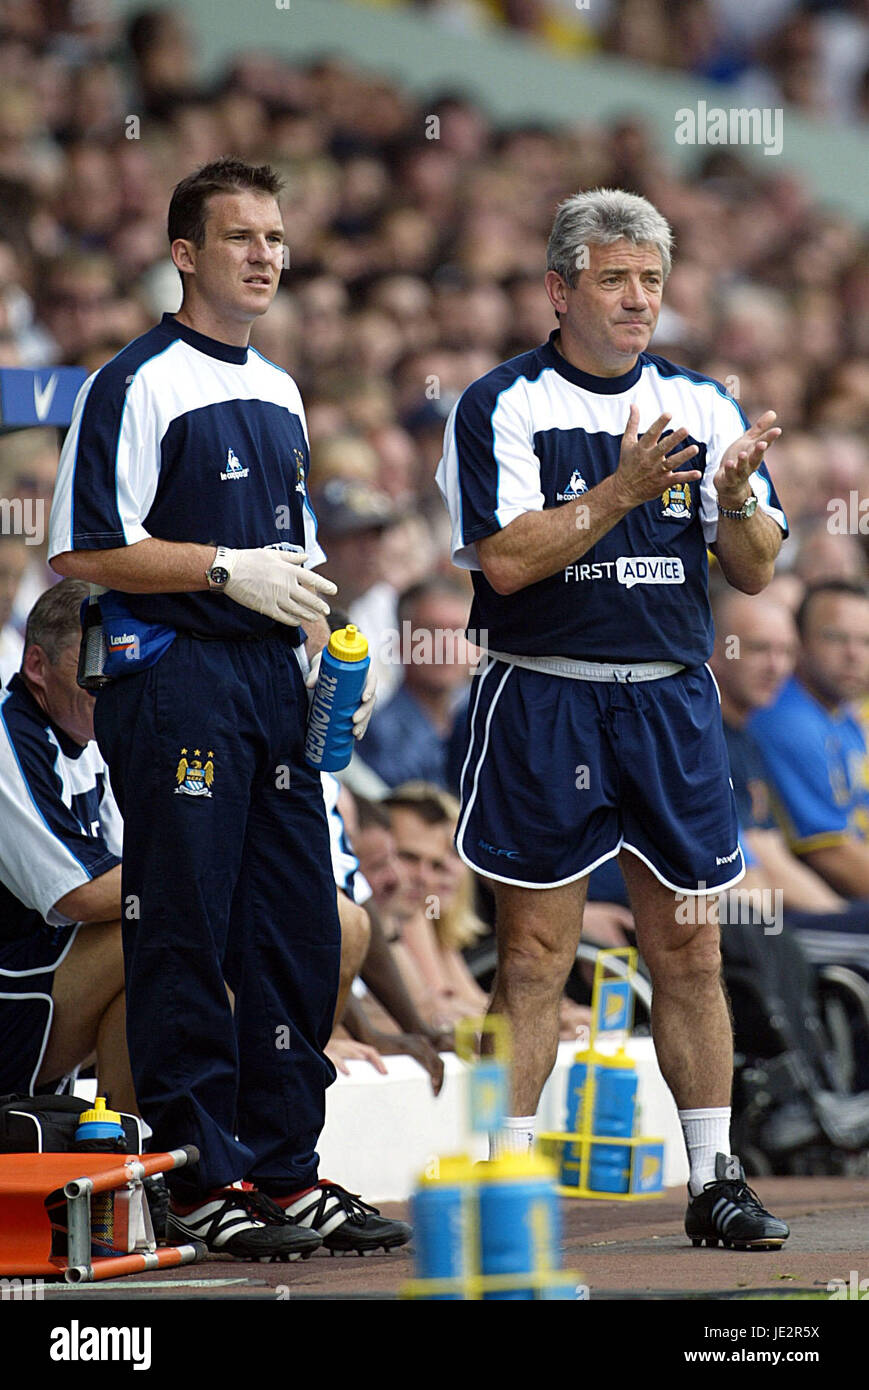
{"x":365,"y":952}
{"x":423,"y":892}
{"x":61,"y":962}
{"x":812,"y":745}
{"x":409,"y":737}
{"x":755,"y":650}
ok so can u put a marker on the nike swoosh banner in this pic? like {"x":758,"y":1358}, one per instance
{"x":38,"y":396}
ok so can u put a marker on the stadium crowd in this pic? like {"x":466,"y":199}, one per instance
{"x":416,"y":236}
{"x":813,"y":54}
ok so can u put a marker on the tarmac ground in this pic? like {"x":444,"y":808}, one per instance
{"x":618,"y":1250}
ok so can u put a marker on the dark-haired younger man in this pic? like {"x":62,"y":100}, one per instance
{"x":183,"y":489}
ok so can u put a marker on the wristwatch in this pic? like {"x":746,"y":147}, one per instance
{"x":748,"y":508}
{"x":218,"y":574}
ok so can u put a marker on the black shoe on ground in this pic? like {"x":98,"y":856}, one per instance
{"x":345,"y":1223}
{"x":728,"y":1211}
{"x":157,"y":1197}
{"x":247,"y":1225}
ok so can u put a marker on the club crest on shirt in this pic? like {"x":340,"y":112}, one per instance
{"x":676,"y":501}
{"x":300,"y":470}
{"x":233,"y":467}
{"x":194,"y":777}
{"x":575,"y":488}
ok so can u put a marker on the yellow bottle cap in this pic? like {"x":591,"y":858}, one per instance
{"x":448,"y":1172}
{"x":515,"y":1168}
{"x":618,"y":1059}
{"x":99,"y":1112}
{"x":348,"y":644}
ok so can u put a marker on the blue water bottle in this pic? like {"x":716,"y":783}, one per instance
{"x":615,"y":1098}
{"x":520,"y":1229}
{"x":100,"y":1131}
{"x":571,"y":1154}
{"x":443,"y":1218}
{"x":343,"y":669}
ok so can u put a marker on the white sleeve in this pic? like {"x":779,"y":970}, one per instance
{"x":109,"y":468}
{"x":489,"y":473}
{"x":728,"y":423}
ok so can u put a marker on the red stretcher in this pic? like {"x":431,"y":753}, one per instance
{"x":46,"y":1226}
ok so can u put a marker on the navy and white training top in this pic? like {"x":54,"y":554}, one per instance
{"x":536,"y":433}
{"x":59,"y":824}
{"x":185,"y":438}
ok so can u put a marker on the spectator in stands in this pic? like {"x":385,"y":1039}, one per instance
{"x":28,"y":465}
{"x":409,"y":736}
{"x":365,"y":950}
{"x":432,"y":907}
{"x":424,"y":817}
{"x":352,"y":517}
{"x":76,"y":294}
{"x":13,"y":562}
{"x":61,"y":963}
{"x":755,"y":649}
{"x":812,"y":744}
{"x":825,"y":555}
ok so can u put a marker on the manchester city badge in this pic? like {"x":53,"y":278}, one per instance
{"x":194,"y":777}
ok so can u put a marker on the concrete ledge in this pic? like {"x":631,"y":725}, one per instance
{"x":382,"y":1131}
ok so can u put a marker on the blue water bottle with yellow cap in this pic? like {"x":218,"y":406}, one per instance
{"x":615,"y":1098}
{"x":519,"y":1223}
{"x":101,"y":1131}
{"x":343,"y":670}
{"x":576,"y":1087}
{"x":443,"y":1217}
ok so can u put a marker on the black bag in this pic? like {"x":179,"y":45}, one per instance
{"x":47,"y":1124}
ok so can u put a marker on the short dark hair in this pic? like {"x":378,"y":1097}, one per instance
{"x":371,"y":814}
{"x":852,"y":587}
{"x":53,"y":622}
{"x":440,"y":585}
{"x":188,"y":209}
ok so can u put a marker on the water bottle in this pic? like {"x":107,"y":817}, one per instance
{"x":572,"y":1154}
{"x":519,"y":1223}
{"x":343,"y":670}
{"x":100,"y":1132}
{"x":615,"y":1099}
{"x":443,"y":1223}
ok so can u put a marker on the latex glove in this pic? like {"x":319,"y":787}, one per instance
{"x":364,"y":710}
{"x":275,"y":582}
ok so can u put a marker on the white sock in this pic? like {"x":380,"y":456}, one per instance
{"x":516,"y":1136}
{"x":707,"y":1133}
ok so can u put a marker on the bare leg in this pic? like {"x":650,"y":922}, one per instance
{"x":690,"y":1018}
{"x":537,"y":933}
{"x":88,"y":994}
{"x":113,"y":1062}
{"x":355,"y":936}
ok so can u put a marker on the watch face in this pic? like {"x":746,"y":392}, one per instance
{"x":218,"y":575}
{"x":750,"y":506}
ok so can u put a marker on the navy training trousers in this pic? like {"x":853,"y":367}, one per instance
{"x":226,"y":877}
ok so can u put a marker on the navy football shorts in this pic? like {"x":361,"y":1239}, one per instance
{"x":561,"y":774}
{"x":27,"y":969}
